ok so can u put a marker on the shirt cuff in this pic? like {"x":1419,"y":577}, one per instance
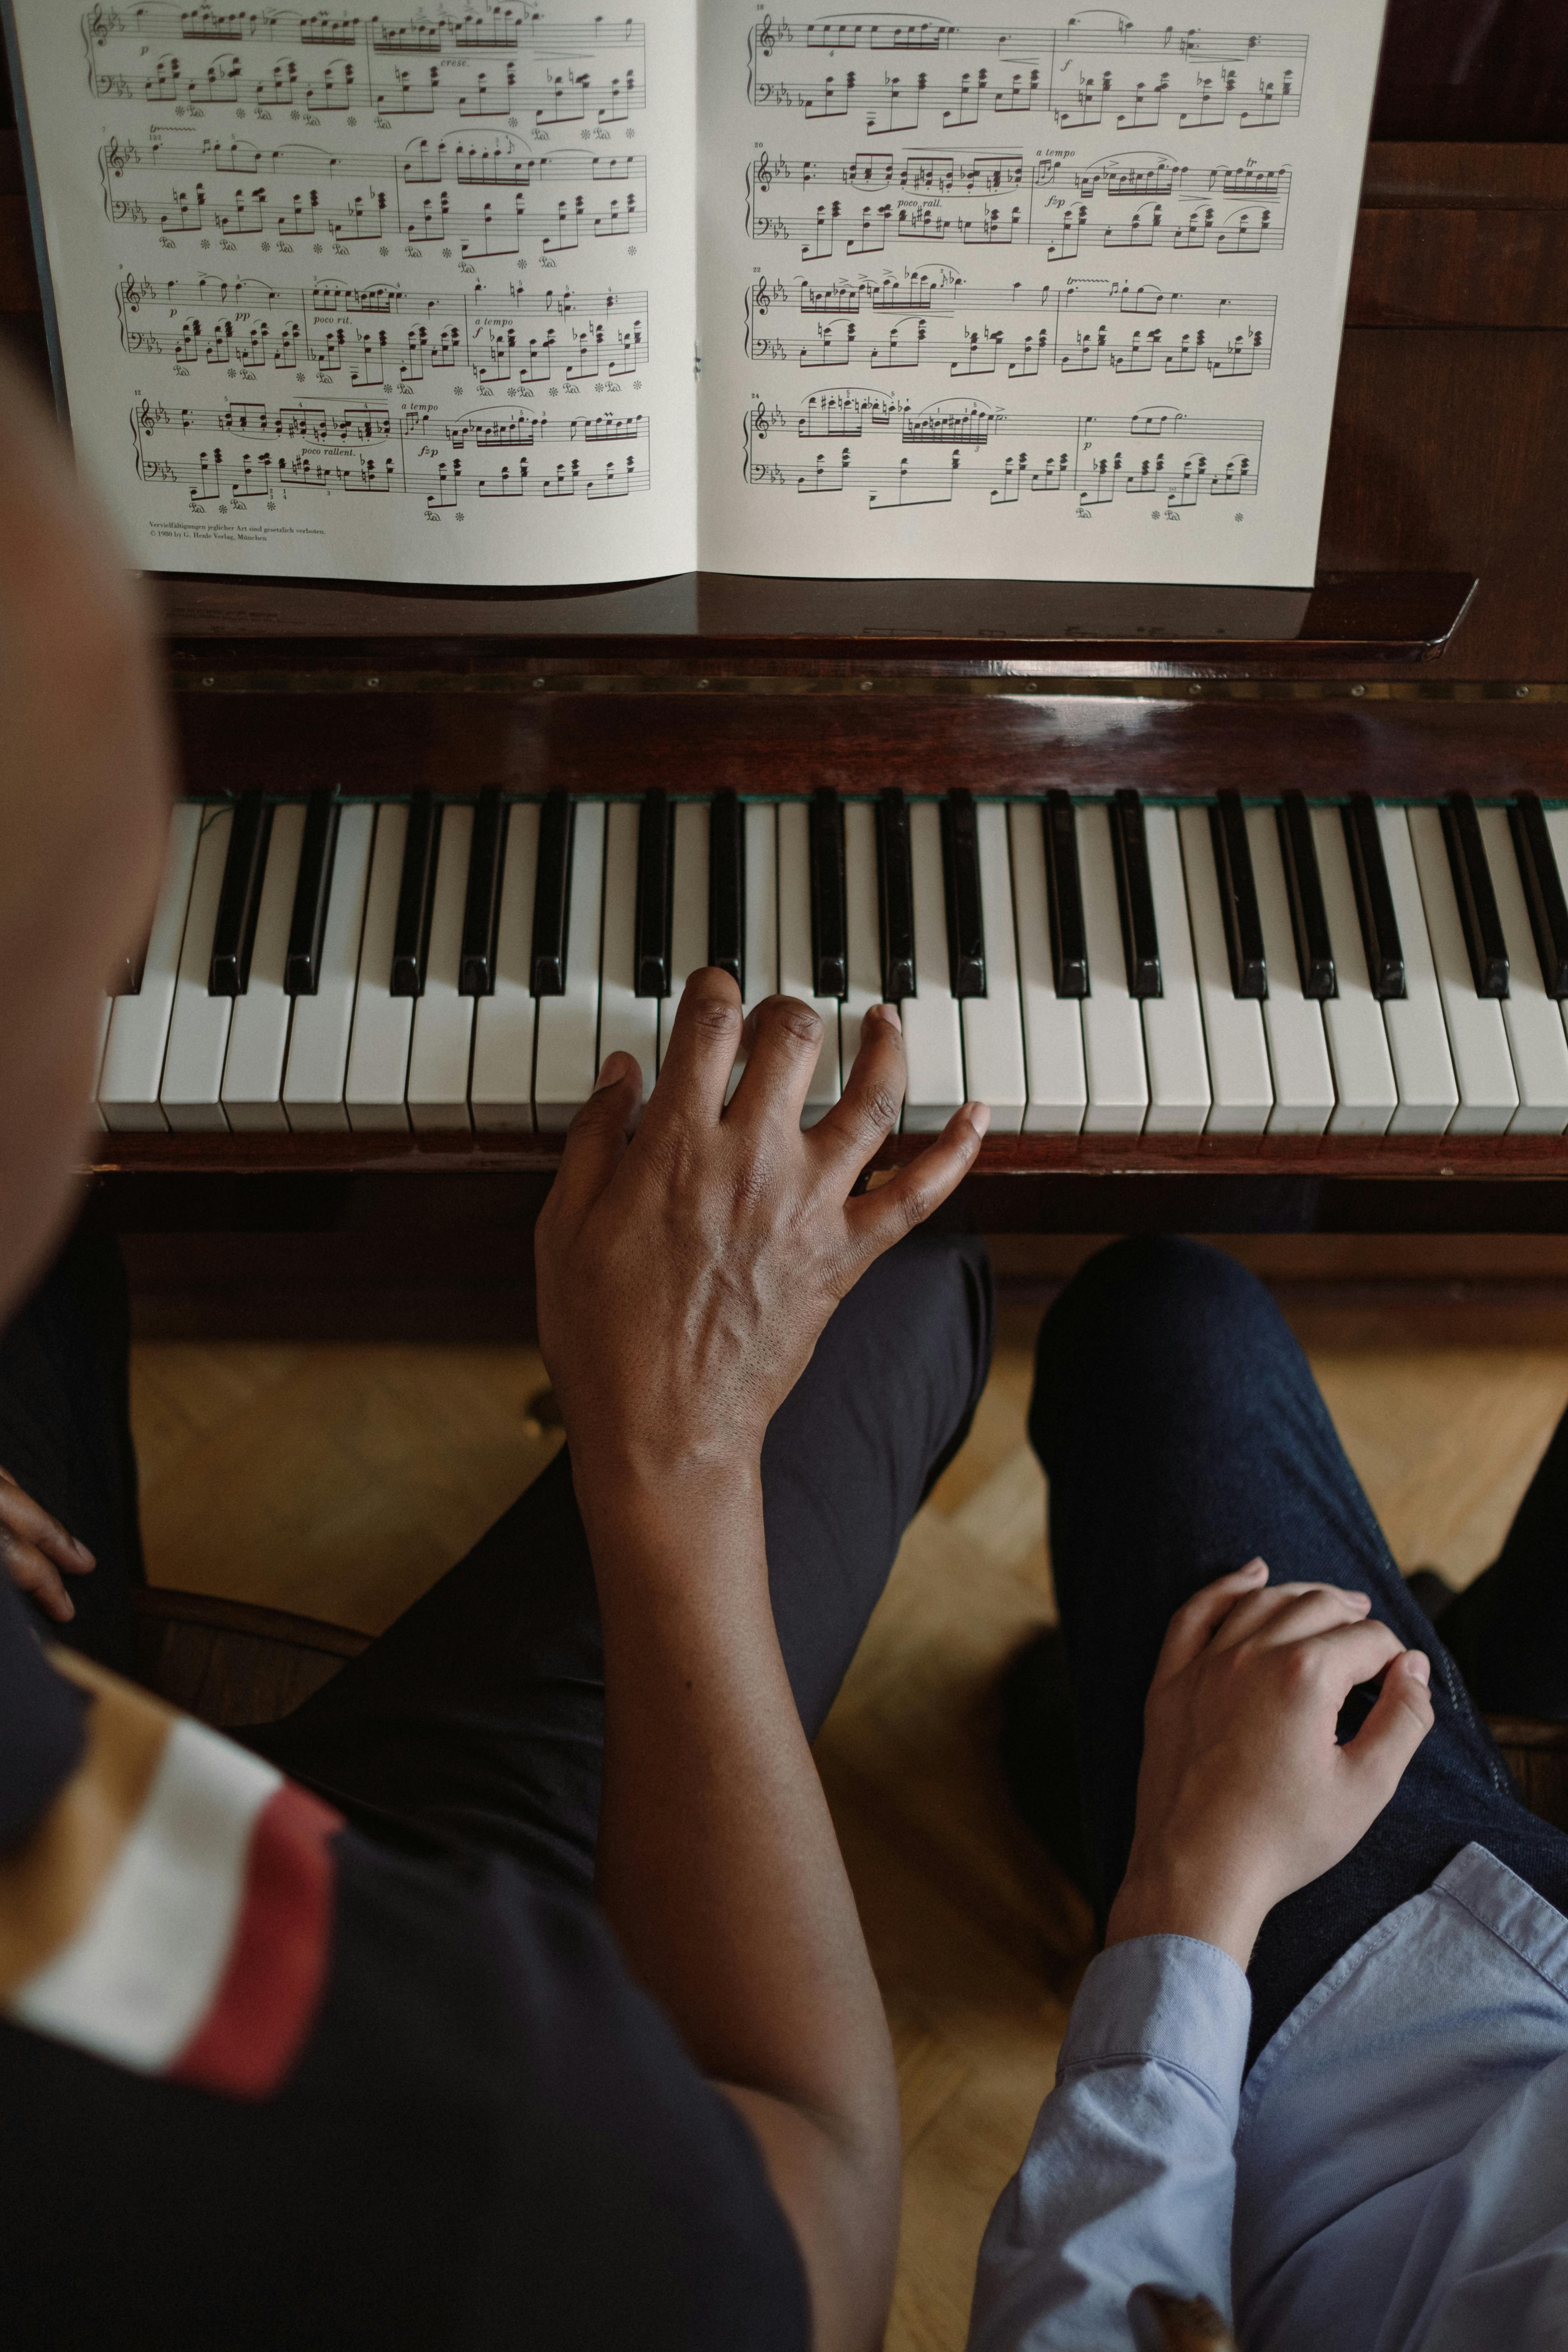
{"x":1166,"y":2000}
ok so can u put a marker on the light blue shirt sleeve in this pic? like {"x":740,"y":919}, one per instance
{"x":1129,"y":2179}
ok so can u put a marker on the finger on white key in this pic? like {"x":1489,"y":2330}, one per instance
{"x":1238,"y":1050}
{"x":376,"y":1086}
{"x":993,"y":1068}
{"x":688,"y":910}
{"x":1112,"y":1031}
{"x":317,"y":1071}
{"x":1053,"y":1024}
{"x":259,"y":1032}
{"x":760,"y":966}
{"x":1534,"y":1026}
{"x":1174,"y":1049}
{"x":1298,"y":1049}
{"x":1483,"y":1067}
{"x":933,"y":1034}
{"x":1417,"y":1033}
{"x":501,"y":1091}
{"x":864,"y":982}
{"x":443,"y":1037}
{"x":564,"y":1061}
{"x":1365,"y":1097}
{"x":199,"y":1022}
{"x":628,"y":1024}
{"x":797,"y":966}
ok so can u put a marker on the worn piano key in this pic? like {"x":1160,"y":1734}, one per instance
{"x":443,"y":1037}
{"x":797,"y":971}
{"x":1238,"y":898}
{"x":1418,"y":1032}
{"x":312,"y":892}
{"x":375,"y":1083}
{"x":1304,"y":886}
{"x":727,"y":886}
{"x":1069,"y":956}
{"x":689,"y":909}
{"x":239,"y":898}
{"x":139,"y":1029}
{"x":1112,"y":1031}
{"x":1483,"y":1067}
{"x":1365,"y":1097}
{"x":565,"y":1061}
{"x":416,"y":896}
{"x":1531,"y":1018}
{"x":965,"y":913}
{"x":993,"y":1023}
{"x":319,"y":1035}
{"x":830,"y":942}
{"x":199,"y":1022}
{"x":863,"y":926}
{"x":628,"y":1024}
{"x":481,"y":908}
{"x":1173,"y":1050}
{"x":933,"y":1038}
{"x":895,"y":896}
{"x":1052,"y":1023}
{"x":501,"y":1084}
{"x":1134,"y":900}
{"x":1543,"y":895}
{"x":1381,"y":943}
{"x":259,"y":1032}
{"x":551,"y":895}
{"x":1473,"y":896}
{"x":1292,"y":1023}
{"x":1235,"y":1047}
{"x":656,"y":886}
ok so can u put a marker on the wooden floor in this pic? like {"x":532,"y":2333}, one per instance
{"x":341,"y":1481}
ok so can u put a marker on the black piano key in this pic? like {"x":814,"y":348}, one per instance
{"x":234,"y":932}
{"x":895,"y":896}
{"x":552,"y":896}
{"x":1135,"y":896}
{"x":416,"y":897}
{"x":829,"y":902}
{"x":656,"y":895}
{"x":1070,"y":943}
{"x":312,"y":888}
{"x":1479,"y":917}
{"x":1542,"y":890}
{"x":1304,"y":885}
{"x":481,"y":907}
{"x":1373,"y":898}
{"x":1238,"y":898}
{"x":127,"y":979}
{"x":961,"y":876}
{"x":727,"y":886}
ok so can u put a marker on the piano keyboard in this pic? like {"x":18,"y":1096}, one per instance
{"x":1121,"y":966}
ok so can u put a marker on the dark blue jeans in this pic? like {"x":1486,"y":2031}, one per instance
{"x":1183,"y":1434}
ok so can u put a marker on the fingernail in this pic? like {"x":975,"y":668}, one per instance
{"x":1258,"y":1570}
{"x":82,"y":1552}
{"x":70,"y":1610}
{"x":1420,"y":1664}
{"x":608,"y":1072}
{"x":978,"y":1114}
{"x":893,"y":1017}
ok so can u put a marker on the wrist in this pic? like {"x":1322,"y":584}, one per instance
{"x":686,"y":1513}
{"x":1173,"y":1897}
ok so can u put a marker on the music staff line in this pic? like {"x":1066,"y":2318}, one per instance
{"x":1134,"y":178}
{"x":1064,"y":231}
{"x":426,"y":35}
{"x":334,"y":330}
{"x":1239,"y":343}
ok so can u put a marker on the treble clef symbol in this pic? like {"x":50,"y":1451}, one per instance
{"x":762,"y":171}
{"x":759,"y":420}
{"x":763,"y":297}
{"x":766,"y":37}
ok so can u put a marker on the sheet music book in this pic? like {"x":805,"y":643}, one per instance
{"x":495,"y":296}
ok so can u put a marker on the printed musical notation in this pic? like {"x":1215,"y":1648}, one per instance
{"x":887,"y":322}
{"x":1098,"y":69}
{"x":374,"y":336}
{"x":513,"y":64}
{"x":249,"y":450}
{"x":1158,"y":454}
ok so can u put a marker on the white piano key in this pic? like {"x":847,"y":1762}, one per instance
{"x":319,"y":1033}
{"x":1533,"y":1022}
{"x":443,"y":1038}
{"x":1173,"y":1023}
{"x":139,"y":1030}
{"x":760,"y":968}
{"x":796,"y":969}
{"x":865,"y":934}
{"x":199,"y":1023}
{"x":1112,"y":1032}
{"x":259,"y":1032}
{"x":501,"y":1089}
{"x":628,"y":1024}
{"x":994,"y":1069}
{"x":688,"y":910}
{"x":375,"y":1088}
{"x":566,"y":1059}
{"x":1238,"y":1050}
{"x":1489,"y":1094}
{"x":933,"y":1034}
{"x":1053,"y":1026}
{"x":1365,"y":1097}
{"x":1417,"y":1033}
{"x":1293,"y":1024}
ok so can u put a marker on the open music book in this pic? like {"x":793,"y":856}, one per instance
{"x":491,"y":296}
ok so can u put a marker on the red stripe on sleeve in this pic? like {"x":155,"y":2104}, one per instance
{"x":277,"y":1964}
